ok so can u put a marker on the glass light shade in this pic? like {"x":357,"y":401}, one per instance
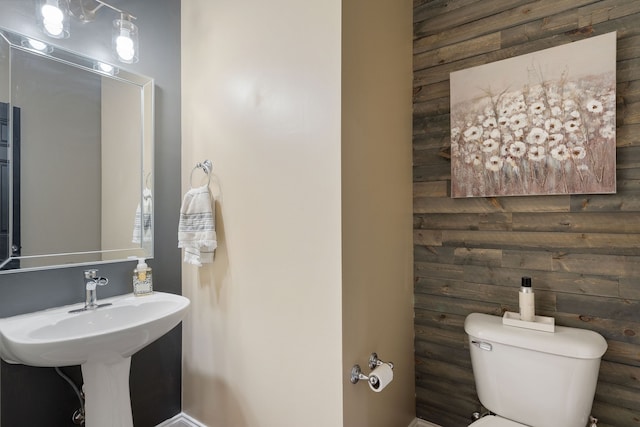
{"x":54,"y":18}
{"x":125,"y":40}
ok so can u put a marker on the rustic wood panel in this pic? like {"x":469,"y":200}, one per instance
{"x":490,"y":221}
{"x":582,"y":251}
{"x":626,"y":222}
{"x":622,"y":375}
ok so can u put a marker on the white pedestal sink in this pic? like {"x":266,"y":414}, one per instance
{"x":101,"y":341}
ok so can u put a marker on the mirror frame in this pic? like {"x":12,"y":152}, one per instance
{"x":146,"y":85}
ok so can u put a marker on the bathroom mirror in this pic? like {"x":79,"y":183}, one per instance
{"x":76,"y":159}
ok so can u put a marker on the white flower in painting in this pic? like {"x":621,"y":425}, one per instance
{"x":536,"y":153}
{"x":519,"y":121}
{"x":494,"y":164}
{"x":504,"y":150}
{"x":568,"y":104}
{"x":583,"y":167}
{"x":503,"y":120}
{"x":594,"y":106}
{"x":477,"y":159}
{"x":555,"y":139}
{"x":575,"y":114}
{"x":455,"y":132}
{"x":572,"y":125}
{"x":489,"y":145}
{"x":556,"y":111}
{"x":608,"y":131}
{"x":537,"y":108}
{"x":490,"y":123}
{"x":517,"y":149}
{"x":537,"y":136}
{"x":473,"y":133}
{"x":560,"y":152}
{"x":553,"y":125}
{"x":495,"y":134}
{"x":578,"y":152}
{"x":538,"y":120}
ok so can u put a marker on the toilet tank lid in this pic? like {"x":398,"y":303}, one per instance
{"x":565,"y":341}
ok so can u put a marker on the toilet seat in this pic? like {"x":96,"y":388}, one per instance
{"x":494,"y":421}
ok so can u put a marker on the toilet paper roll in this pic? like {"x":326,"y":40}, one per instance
{"x":380,"y":377}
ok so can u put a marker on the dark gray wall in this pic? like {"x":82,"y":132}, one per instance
{"x":37,"y":396}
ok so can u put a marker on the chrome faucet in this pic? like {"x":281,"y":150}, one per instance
{"x":91,"y":281}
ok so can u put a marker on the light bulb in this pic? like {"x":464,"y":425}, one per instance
{"x":53,"y":19}
{"x":125,"y":40}
{"x":52,"y":13}
{"x":124,"y":46}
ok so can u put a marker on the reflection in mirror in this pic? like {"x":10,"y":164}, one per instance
{"x":76,"y":156}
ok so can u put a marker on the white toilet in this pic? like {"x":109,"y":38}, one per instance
{"x":533,"y":378}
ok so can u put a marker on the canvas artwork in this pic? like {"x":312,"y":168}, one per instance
{"x":542,"y":123}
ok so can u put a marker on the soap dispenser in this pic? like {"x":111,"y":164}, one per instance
{"x":142,"y":279}
{"x":527,"y":301}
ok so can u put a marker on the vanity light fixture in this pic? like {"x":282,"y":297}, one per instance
{"x":54,"y":17}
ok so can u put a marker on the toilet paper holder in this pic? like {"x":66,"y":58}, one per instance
{"x":374,"y":361}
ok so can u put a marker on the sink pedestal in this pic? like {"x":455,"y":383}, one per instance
{"x":101,"y":341}
{"x":106,"y":389}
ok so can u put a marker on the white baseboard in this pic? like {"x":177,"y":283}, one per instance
{"x":422,"y":423}
{"x":181,"y":420}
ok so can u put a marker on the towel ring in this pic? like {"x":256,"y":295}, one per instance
{"x":206,"y":166}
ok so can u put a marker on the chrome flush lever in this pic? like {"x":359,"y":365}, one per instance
{"x":482,"y":345}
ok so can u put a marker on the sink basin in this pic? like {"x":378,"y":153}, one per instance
{"x":101,"y":341}
{"x":56,"y":337}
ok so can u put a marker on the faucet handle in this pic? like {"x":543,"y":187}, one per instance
{"x":90,"y":274}
{"x":101,"y":281}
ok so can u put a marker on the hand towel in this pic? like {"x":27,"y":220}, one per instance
{"x":196,"y":229}
{"x":142,"y":225}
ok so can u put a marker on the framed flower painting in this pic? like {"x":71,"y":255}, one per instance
{"x":541,"y":123}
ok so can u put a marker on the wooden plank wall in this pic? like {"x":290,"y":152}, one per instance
{"x":582,"y":251}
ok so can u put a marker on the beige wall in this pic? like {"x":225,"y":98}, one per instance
{"x":262,"y":98}
{"x":377,"y":207}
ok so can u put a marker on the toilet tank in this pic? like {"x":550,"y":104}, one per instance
{"x":541,"y":379}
